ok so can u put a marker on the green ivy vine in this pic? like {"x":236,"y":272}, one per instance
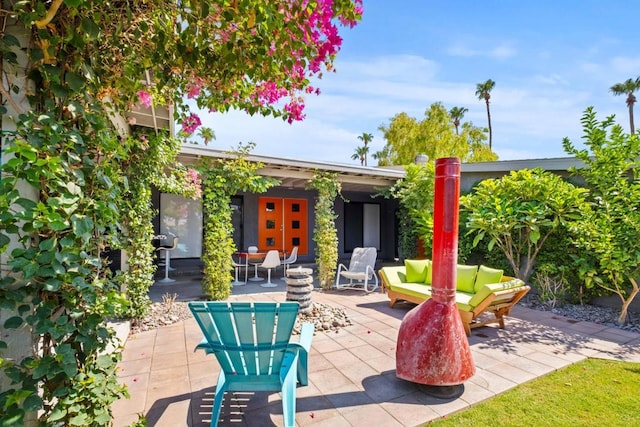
{"x":151,"y":164}
{"x":324,"y":233}
{"x":415,"y":195}
{"x":64,"y":290}
{"x":221,"y":179}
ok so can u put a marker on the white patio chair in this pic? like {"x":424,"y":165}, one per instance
{"x":288,"y":261}
{"x":272,"y":260}
{"x":237,"y":266}
{"x":361,"y":270}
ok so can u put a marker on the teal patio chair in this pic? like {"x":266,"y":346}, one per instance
{"x":251,"y":342}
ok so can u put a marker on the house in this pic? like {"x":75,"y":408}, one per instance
{"x":283,"y":217}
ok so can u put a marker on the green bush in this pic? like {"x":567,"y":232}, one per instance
{"x":519,"y":212}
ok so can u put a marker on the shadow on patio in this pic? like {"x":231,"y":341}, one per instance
{"x":352,"y":372}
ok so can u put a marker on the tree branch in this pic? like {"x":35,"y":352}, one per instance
{"x":42,"y":23}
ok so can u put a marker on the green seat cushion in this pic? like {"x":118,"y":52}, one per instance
{"x":393,"y":275}
{"x":465,"y":277}
{"x":462,"y":301}
{"x":428,"y":279}
{"x":416,"y":270}
{"x":487,"y":275}
{"x":418,"y":290}
{"x":486,"y":290}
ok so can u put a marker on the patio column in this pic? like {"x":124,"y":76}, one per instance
{"x":432,"y":346}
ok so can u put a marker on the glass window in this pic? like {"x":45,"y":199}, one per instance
{"x":182,"y":218}
{"x":271,"y":206}
{"x":271,"y":224}
{"x":295,"y":241}
{"x":295,"y":207}
{"x":271,"y":241}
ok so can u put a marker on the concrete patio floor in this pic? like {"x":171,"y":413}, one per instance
{"x":352,"y":378}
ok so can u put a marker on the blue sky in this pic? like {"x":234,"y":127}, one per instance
{"x":550,"y":59}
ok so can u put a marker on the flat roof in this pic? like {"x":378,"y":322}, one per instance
{"x":549,"y":164}
{"x":296,"y":173}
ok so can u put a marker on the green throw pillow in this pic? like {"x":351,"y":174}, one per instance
{"x":486,"y":276}
{"x":465,"y":277}
{"x":416,"y":270}
{"x":429,"y":277}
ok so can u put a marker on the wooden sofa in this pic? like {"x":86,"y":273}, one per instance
{"x":479,"y":289}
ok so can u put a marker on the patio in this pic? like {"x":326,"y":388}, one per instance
{"x":352,"y":378}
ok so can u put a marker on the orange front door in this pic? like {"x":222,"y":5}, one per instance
{"x":282,"y":224}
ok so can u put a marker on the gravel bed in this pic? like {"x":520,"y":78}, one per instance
{"x":590,"y":313}
{"x":324,"y":317}
{"x":328,"y":319}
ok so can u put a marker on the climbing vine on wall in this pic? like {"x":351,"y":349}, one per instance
{"x":75,"y":186}
{"x":325,"y":234}
{"x":65,"y":290}
{"x":151,"y":164}
{"x":222,"y":179}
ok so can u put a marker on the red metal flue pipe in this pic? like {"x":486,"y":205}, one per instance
{"x":432,"y":346}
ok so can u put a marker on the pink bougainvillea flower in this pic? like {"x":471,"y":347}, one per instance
{"x":144,"y":98}
{"x":194,"y":181}
{"x":294,"y":108}
{"x":194,"y":88}
{"x":358,"y":9}
{"x":190,"y":124}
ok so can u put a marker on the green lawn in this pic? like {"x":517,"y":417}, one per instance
{"x":594,"y":392}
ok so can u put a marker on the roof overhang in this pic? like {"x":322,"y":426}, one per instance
{"x":553,"y":164}
{"x":294,"y":173}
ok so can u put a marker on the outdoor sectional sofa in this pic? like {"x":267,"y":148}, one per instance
{"x":479,"y":289}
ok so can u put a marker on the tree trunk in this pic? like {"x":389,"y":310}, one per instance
{"x":622,"y":318}
{"x":490,"y":130}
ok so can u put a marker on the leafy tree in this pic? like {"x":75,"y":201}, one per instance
{"x":457,"y":113}
{"x":434,"y":136}
{"x":415,"y":195}
{"x":520,"y":211}
{"x":611,"y":229}
{"x":483,"y":92}
{"x":383,"y":156}
{"x":72,"y":71}
{"x":628,"y":87}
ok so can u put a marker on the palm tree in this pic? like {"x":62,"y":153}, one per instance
{"x":483,"y":91}
{"x":366,"y":138}
{"x":361,"y":154}
{"x":207,"y":134}
{"x":457,"y":113}
{"x":627,"y":88}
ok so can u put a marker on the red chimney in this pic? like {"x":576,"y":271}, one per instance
{"x":432,"y":346}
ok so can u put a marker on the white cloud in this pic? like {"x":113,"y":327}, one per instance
{"x":391,"y":67}
{"x":502,"y":51}
{"x":550,"y":79}
{"x":626,"y":65}
{"x":529,"y":117}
